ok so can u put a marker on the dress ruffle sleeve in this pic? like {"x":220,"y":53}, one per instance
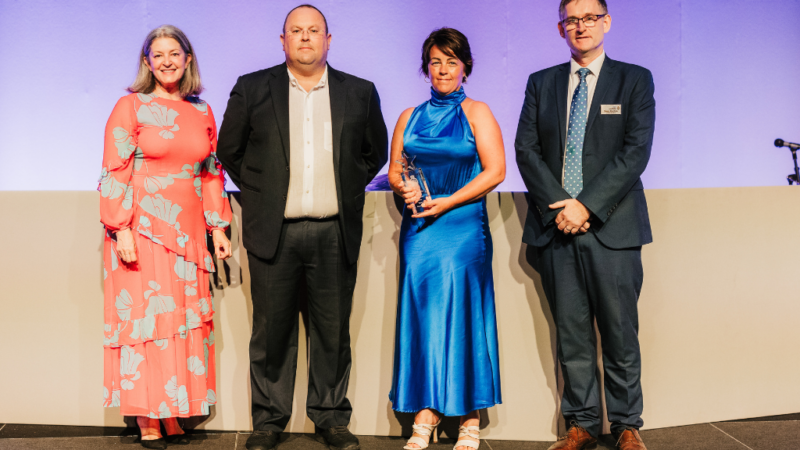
{"x":120,"y":148}
{"x":216,"y":207}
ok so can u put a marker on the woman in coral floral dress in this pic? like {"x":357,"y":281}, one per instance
{"x":162,"y":190}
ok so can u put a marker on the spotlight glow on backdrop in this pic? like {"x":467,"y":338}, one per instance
{"x":727,"y":73}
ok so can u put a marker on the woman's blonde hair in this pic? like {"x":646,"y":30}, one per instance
{"x":145,"y":82}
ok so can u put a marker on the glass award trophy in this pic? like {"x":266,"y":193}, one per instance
{"x":414,"y":178}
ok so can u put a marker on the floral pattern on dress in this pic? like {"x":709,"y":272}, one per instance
{"x":122,"y":140}
{"x":200,"y":105}
{"x":129,"y":363}
{"x":159,"y":304}
{"x":123,"y":304}
{"x":111,"y":188}
{"x":111,"y":400}
{"x":156,"y":115}
{"x":160,"y":178}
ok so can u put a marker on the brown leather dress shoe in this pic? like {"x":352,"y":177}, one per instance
{"x":576,"y":439}
{"x":630,"y":440}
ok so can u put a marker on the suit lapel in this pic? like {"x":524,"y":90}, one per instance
{"x":279,"y":87}
{"x":338,"y":93}
{"x":606,"y":79}
{"x":562,"y":88}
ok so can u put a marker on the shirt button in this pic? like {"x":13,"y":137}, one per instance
{"x":308,"y":142}
{"x":307,"y":119}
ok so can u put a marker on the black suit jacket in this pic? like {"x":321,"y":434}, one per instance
{"x":254,"y":148}
{"x":615,"y":153}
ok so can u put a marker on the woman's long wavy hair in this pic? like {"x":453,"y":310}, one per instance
{"x":145,"y":82}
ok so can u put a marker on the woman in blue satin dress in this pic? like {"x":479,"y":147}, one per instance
{"x":446,"y":357}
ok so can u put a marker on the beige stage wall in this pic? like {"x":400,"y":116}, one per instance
{"x":719,"y":315}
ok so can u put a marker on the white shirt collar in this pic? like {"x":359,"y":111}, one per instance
{"x":321,"y":84}
{"x":593,"y":67}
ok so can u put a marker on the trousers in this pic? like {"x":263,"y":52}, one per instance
{"x":310,"y":252}
{"x":585,"y":281}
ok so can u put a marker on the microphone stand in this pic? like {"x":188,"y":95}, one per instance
{"x":796,"y":177}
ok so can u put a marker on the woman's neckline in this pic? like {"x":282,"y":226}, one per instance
{"x":453,"y":98}
{"x":166,"y":98}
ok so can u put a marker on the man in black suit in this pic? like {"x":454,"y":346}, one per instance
{"x":302,"y":140}
{"x":583,"y":141}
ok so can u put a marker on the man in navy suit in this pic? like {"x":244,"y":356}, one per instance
{"x":583,"y":141}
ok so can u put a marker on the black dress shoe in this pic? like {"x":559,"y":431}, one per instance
{"x":338,"y":438}
{"x":178,"y":439}
{"x":159,"y":443}
{"x":262,"y":440}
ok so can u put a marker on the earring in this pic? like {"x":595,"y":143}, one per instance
{"x":464,"y":80}
{"x":427,"y":80}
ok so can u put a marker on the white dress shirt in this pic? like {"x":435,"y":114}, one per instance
{"x":575,"y":80}
{"x":312,"y":187}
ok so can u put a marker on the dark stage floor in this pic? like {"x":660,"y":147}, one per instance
{"x":777,"y":432}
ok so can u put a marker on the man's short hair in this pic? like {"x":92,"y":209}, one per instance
{"x":562,"y":9}
{"x":306,"y":5}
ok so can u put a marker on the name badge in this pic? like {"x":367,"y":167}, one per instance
{"x":611,"y":109}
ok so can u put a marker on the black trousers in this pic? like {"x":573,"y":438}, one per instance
{"x":585,"y":281}
{"x":310,"y":252}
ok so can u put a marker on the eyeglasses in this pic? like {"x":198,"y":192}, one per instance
{"x":297,"y":32}
{"x":570,"y":23}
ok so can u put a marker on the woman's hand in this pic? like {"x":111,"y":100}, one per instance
{"x":222,"y":246}
{"x":126,"y":246}
{"x":434,"y":207}
{"x":397,"y":184}
{"x":412,"y":193}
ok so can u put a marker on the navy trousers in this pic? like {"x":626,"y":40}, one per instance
{"x":585,"y":281}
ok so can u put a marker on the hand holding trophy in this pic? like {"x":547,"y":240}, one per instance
{"x":414,"y":180}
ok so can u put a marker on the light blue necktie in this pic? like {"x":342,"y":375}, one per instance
{"x":578,"y":112}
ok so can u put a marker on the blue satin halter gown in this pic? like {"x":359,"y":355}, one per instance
{"x":445,"y":355}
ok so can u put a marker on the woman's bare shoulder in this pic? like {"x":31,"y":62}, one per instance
{"x":476,"y":111}
{"x":404,"y":116}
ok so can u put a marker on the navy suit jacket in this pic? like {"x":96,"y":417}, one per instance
{"x":615,"y":153}
{"x":254,"y":148}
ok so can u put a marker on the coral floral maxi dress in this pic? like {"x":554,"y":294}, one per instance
{"x":161,"y":179}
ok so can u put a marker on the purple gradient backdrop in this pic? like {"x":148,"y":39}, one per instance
{"x":727,"y":73}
